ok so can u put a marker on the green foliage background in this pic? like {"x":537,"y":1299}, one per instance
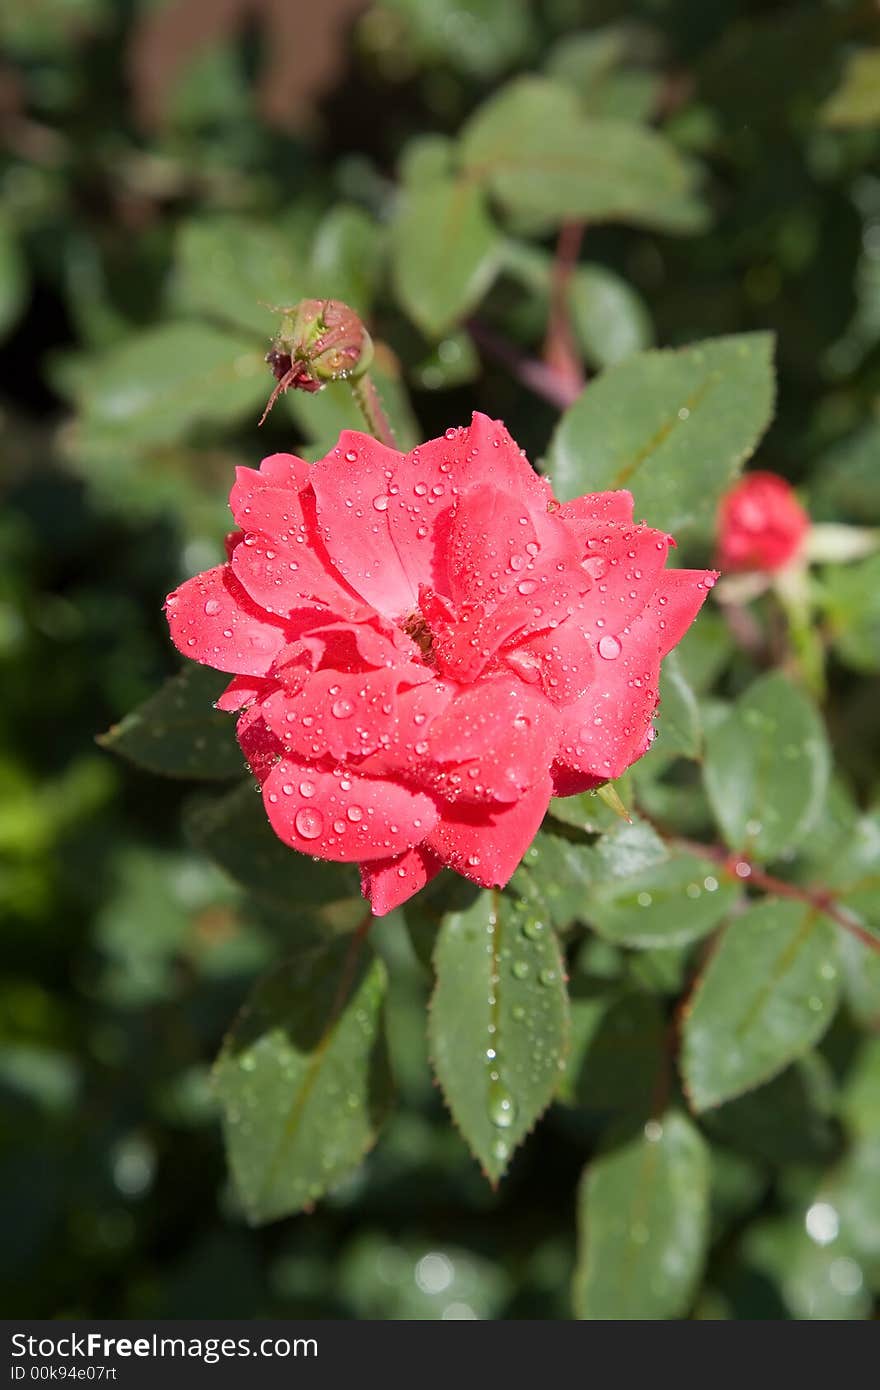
{"x":738,"y":193}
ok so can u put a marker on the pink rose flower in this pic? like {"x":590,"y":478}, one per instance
{"x":426,"y":647}
{"x":761,"y":524}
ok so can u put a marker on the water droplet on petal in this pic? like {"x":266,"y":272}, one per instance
{"x":380,"y":503}
{"x":609,"y":647}
{"x":308,"y":822}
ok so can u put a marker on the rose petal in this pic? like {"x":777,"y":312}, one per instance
{"x":383,"y":517}
{"x":594,"y":510}
{"x":258,"y":743}
{"x":342,"y":816}
{"x":486,"y":843}
{"x":241,"y":691}
{"x":492,"y":546}
{"x":606,"y":729}
{"x":389,"y":882}
{"x":679,"y":596}
{"x":560,"y":661}
{"x":625,"y":564}
{"x":483,"y":452}
{"x":213,"y":620}
{"x":417,"y":708}
{"x":285,"y":577}
{"x":286,"y":470}
{"x":335,"y":713}
{"x":494,"y":741}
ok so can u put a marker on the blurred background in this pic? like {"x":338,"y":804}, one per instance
{"x":169,"y":169}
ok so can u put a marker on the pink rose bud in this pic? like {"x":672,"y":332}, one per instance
{"x":319,"y":341}
{"x":426,"y":647}
{"x":761,"y":524}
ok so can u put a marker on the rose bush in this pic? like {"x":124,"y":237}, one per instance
{"x":426,"y":647}
{"x":761,"y":524}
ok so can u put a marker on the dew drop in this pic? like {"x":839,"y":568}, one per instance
{"x":212,"y":607}
{"x":380,"y":503}
{"x":502,"y":1107}
{"x":308,"y":822}
{"x":342,"y":709}
{"x":307,"y":789}
{"x":609,"y":647}
{"x":351,"y":455}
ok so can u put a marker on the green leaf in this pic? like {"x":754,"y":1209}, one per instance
{"x":850,"y":598}
{"x":860,"y":1098}
{"x":236,"y":272}
{"x":857,"y":100}
{"x":538,"y":154}
{"x":588,"y":811}
{"x":13,"y":276}
{"x":234,"y":831}
{"x":667,"y":904}
{"x":155,"y":386}
{"x":845,"y":484}
{"x":178,"y":733}
{"x":445,"y":252}
{"x":346,"y":258}
{"x":675,"y":427}
{"x":788,"y":1120}
{"x":643,"y":1210}
{"x":451,"y":362}
{"x":478,"y":39}
{"x":766,"y":768}
{"x":590,"y":63}
{"x":769,"y":993}
{"x":610,"y":319}
{"x":303,"y":1078}
{"x":627,"y":849}
{"x":679,"y":726}
{"x":817,"y":1282}
{"x":553,"y":878}
{"x":498,"y":1027}
{"x":616,"y":1050}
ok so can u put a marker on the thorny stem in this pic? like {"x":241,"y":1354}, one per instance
{"x":367,"y":399}
{"x":560,"y":348}
{"x":740,"y":869}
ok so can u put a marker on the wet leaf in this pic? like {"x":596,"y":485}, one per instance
{"x":303,"y":1078}
{"x":178,"y":733}
{"x":766,"y":768}
{"x":768,"y":993}
{"x":499,"y":1023}
{"x":643,"y":1208}
{"x":673,"y":427}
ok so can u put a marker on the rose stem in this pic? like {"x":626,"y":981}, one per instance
{"x":367,"y":399}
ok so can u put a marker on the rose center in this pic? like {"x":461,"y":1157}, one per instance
{"x":416,"y":627}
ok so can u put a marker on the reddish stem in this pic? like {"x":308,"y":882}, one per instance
{"x":740,"y":869}
{"x":535,"y":375}
{"x":560,"y":346}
